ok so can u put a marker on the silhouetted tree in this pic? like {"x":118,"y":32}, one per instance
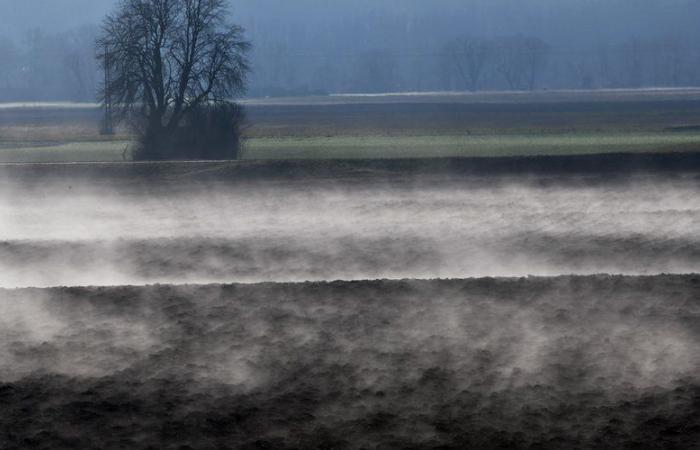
{"x":170,"y":62}
{"x":631,"y":55}
{"x":8,"y":66}
{"x":79,"y":63}
{"x":520,"y":58}
{"x":469,"y":56}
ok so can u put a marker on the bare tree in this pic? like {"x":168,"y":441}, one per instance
{"x":535,"y":55}
{"x":509,"y":63}
{"x":79,"y":63}
{"x":520,"y":59}
{"x":632,"y":54}
{"x":669,"y":61}
{"x":376,"y":71}
{"x":168,"y":59}
{"x":606,"y":67}
{"x":8,"y":66}
{"x":469,"y":57}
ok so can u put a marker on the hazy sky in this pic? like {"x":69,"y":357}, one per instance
{"x":319,"y":46}
{"x":585,"y":18}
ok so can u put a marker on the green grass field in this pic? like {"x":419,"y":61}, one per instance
{"x":368,"y":147}
{"x":95,"y":151}
{"x":371,"y":147}
{"x":409,"y":126}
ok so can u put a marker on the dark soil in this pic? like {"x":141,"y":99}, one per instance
{"x":568,"y":362}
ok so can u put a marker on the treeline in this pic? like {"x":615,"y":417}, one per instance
{"x":50,"y":67}
{"x":517,"y":62}
{"x":62,"y":67}
{"x":528,"y":63}
{"x":414,"y":45}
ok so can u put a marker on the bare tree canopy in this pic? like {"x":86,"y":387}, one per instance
{"x":520,"y":58}
{"x":469,"y":56}
{"x":168,"y":58}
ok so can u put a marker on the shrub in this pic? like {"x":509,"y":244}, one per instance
{"x":211,"y":132}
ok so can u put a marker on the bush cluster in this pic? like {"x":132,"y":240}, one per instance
{"x":211,"y":132}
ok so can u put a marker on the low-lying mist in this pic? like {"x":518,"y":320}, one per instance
{"x":539,"y":362}
{"x":87,"y":234}
{"x":517,"y":363}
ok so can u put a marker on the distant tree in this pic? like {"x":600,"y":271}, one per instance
{"x":79,"y":63}
{"x":606,"y":67}
{"x":469,"y":57}
{"x":520,"y":59}
{"x":668,"y":60}
{"x":631,"y":55}
{"x":174,"y":65}
{"x":535,"y":54}
{"x":8,"y":67}
{"x":376,"y":71}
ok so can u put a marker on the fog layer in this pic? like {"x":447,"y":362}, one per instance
{"x":546,"y":363}
{"x":85,"y":235}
